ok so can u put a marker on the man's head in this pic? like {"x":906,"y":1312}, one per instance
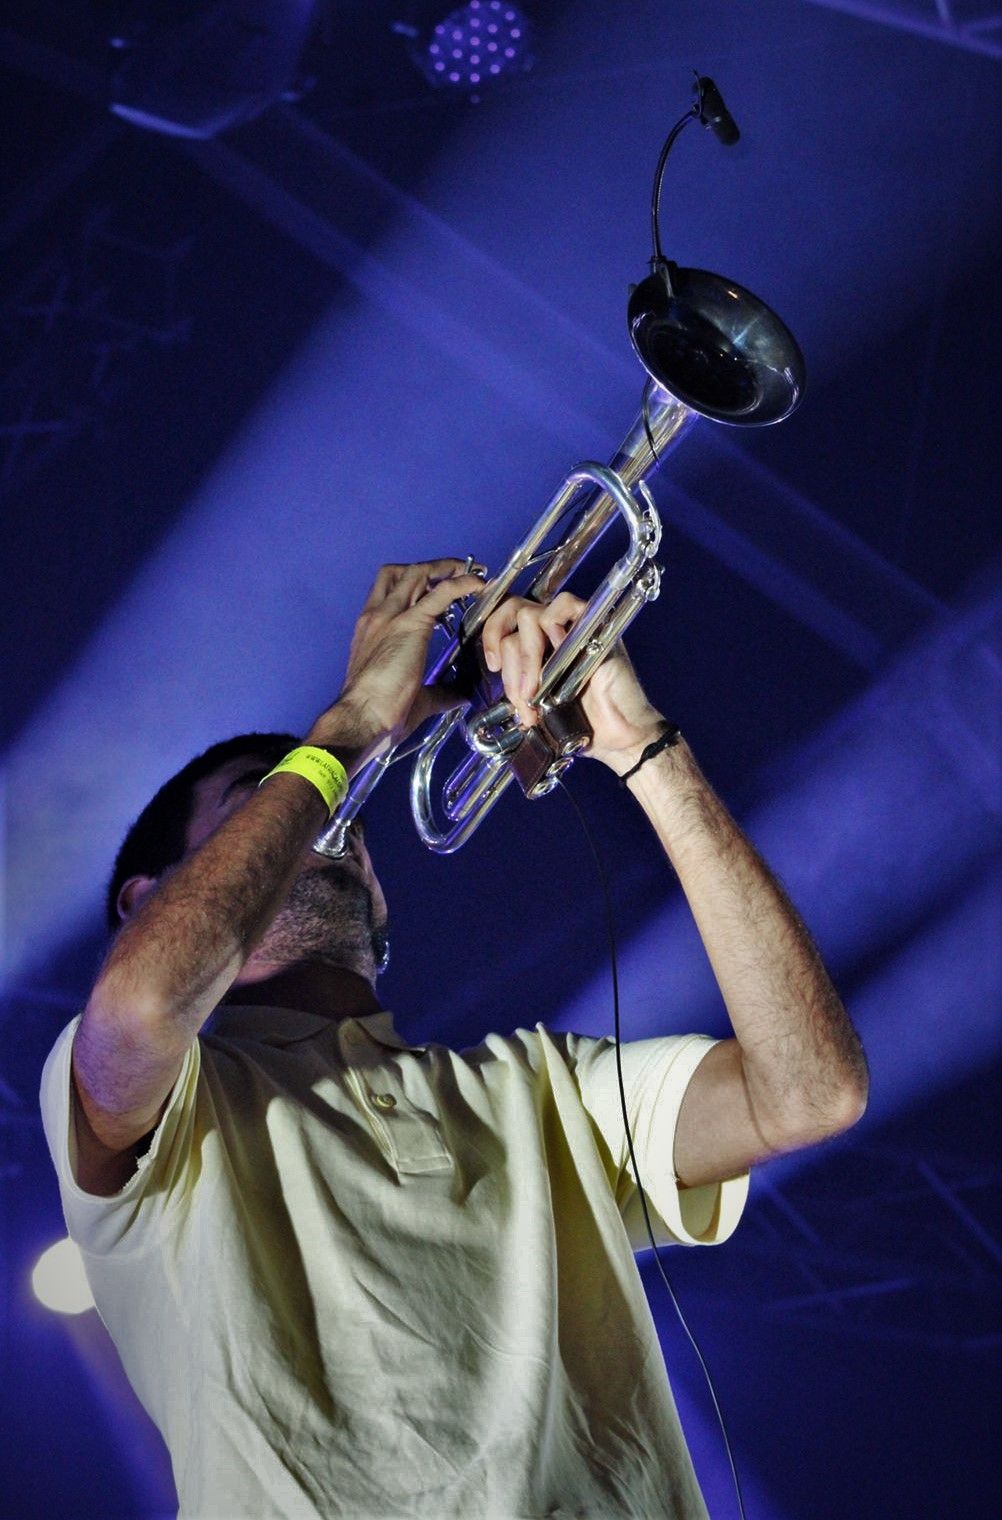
{"x":159,"y":837}
{"x":335,"y":911}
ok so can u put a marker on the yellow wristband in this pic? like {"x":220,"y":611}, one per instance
{"x":320,"y":767}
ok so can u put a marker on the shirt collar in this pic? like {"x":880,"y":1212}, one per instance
{"x":285,"y":1026}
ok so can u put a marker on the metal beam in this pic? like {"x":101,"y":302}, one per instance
{"x":938,"y":26}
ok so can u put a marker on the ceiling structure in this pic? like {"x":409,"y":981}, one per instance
{"x":378,"y":321}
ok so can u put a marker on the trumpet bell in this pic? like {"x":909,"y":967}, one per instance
{"x":715,"y":346}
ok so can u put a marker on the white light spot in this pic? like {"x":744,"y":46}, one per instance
{"x":59,"y":1280}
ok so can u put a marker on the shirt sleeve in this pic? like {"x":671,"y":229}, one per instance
{"x":656,"y":1074}
{"x":133,"y":1218}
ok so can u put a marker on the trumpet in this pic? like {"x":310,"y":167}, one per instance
{"x":711,"y":349}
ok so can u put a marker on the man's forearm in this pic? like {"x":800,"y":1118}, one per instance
{"x":173,"y":962}
{"x":176,"y":959}
{"x":803,"y":1064}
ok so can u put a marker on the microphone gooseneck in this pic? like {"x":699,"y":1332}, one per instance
{"x":709,"y":110}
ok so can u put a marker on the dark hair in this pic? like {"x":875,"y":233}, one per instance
{"x":158,"y":838}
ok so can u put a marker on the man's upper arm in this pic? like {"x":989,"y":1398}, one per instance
{"x":117,"y":1193}
{"x":123,"y":1074}
{"x":657,"y":1075}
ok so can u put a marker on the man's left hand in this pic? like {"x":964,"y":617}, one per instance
{"x":518,"y":638}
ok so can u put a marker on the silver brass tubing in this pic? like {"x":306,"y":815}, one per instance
{"x":456,"y":789}
{"x":476,"y":615}
{"x":495,"y":778}
{"x":495,"y":731}
{"x":478,"y":779}
{"x":644,"y":590}
{"x":333,"y":841}
{"x":645,"y":535}
{"x":669,"y":420}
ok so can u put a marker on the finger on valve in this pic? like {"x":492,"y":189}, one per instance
{"x":404,"y":580}
{"x":501,"y":623}
{"x":560,"y":616}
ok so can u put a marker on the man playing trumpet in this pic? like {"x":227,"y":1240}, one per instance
{"x":352,"y":1276}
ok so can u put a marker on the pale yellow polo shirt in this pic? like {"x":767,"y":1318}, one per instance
{"x":353,"y":1277}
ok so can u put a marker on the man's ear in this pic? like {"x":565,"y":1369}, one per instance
{"x":134,"y":893}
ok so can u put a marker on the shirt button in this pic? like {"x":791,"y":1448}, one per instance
{"x":384,"y":1100}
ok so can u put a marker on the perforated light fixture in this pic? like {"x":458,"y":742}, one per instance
{"x":475,"y":47}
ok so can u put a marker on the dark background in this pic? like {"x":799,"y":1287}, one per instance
{"x":376,"y":322}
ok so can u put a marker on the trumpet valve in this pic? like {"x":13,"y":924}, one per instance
{"x":495,"y":732}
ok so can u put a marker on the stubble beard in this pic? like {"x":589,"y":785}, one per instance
{"x":329,"y":917}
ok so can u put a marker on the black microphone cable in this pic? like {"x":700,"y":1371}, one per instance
{"x":614,"y":968}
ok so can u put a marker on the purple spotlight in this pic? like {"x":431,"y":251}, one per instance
{"x":465,"y":27}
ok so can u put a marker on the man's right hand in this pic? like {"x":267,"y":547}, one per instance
{"x":384,"y":697}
